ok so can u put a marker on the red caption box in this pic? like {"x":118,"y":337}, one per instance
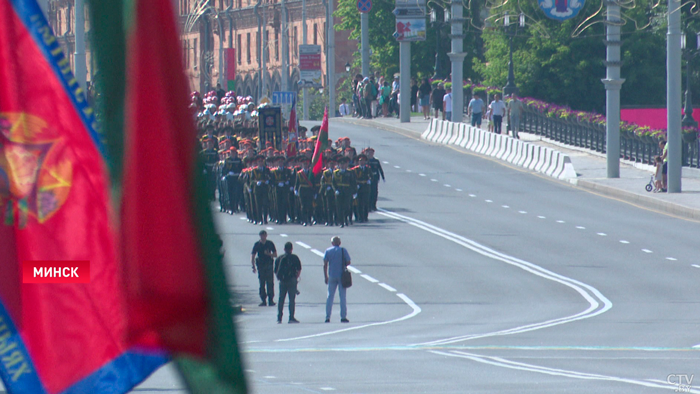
{"x":54,"y":271}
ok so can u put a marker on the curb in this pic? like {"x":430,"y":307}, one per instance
{"x":524,"y":159}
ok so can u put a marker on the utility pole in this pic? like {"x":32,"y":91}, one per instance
{"x":405,"y":81}
{"x":364,"y":40}
{"x":330,"y":59}
{"x":79,"y":55}
{"x":285,"y":48}
{"x":457,"y":58}
{"x":256,"y":9}
{"x":613,"y":84}
{"x":673,"y":95}
{"x":303,"y":40}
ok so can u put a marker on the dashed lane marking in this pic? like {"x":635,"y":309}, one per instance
{"x":354,"y":270}
{"x":505,"y":206}
{"x":369,"y":278}
{"x":489,"y":201}
{"x":580,"y":227}
{"x":303,"y":245}
{"x":326,"y":388}
{"x":385,"y":162}
{"x":696,"y":266}
{"x":446,"y":185}
{"x":647,"y":251}
{"x":391,"y":289}
{"x":459,"y":190}
{"x":541,"y":217}
{"x":397,"y":166}
{"x":560,"y":221}
{"x":603,"y":234}
{"x":284,"y":235}
{"x":269,"y":228}
{"x":421,"y":174}
{"x":622,"y":241}
{"x":434,"y":180}
{"x":472,"y":195}
{"x":523,"y":212}
{"x":409,"y":171}
{"x":671,"y":259}
{"x":317,"y":252}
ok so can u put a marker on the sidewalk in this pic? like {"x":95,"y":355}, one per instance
{"x":591,"y":169}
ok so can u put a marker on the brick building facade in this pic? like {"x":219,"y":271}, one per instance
{"x":208,"y":27}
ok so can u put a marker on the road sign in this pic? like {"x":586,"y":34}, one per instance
{"x":410,"y":3}
{"x":284,"y":100}
{"x":310,"y":63}
{"x":364,"y":6}
{"x":411,"y":29}
{"x":410,"y":12}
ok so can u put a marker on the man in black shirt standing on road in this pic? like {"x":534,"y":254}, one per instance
{"x":266,"y":252}
{"x":288,"y":269}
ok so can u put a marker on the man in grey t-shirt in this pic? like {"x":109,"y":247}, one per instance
{"x":515,"y":112}
{"x":333,"y":268}
{"x":475,"y":109}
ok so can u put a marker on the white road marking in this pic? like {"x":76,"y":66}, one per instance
{"x":269,"y":377}
{"x":408,"y":301}
{"x":560,"y":221}
{"x":622,"y":241}
{"x":446,"y":185}
{"x":243,"y":218}
{"x":459,"y":190}
{"x":647,"y":251}
{"x":505,"y":206}
{"x":489,"y":201}
{"x":385,"y":162}
{"x":671,"y":259}
{"x":603,"y":234}
{"x":580,"y":227}
{"x":421,"y":174}
{"x":434,"y":180}
{"x":472,"y":195}
{"x":501,"y":362}
{"x":326,"y":388}
{"x":541,"y":217}
{"x":303,"y":245}
{"x":369,"y":278}
{"x":696,"y":346}
{"x":269,"y":228}
{"x":354,"y":270}
{"x":317,"y":252}
{"x":409,"y":171}
{"x":384,"y":285}
{"x":284,"y":235}
{"x":523,"y":212}
{"x":397,"y":166}
{"x":696,"y":266}
{"x":598,"y":303}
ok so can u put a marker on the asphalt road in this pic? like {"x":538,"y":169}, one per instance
{"x":477,"y":277}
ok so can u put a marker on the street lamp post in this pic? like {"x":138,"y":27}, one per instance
{"x":438,"y":24}
{"x":688,"y":120}
{"x":347,"y":67}
{"x":511,"y":32}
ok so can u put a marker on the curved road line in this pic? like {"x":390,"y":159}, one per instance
{"x":589,"y":293}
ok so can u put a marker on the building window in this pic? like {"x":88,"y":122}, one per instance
{"x":277,"y":46}
{"x":248,"y":49}
{"x":315,"y":34}
{"x":295,"y":42}
{"x":238,"y":49}
{"x":266,"y":43}
{"x":194,"y":49}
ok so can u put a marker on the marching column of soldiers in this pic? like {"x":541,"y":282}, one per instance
{"x":270,"y":187}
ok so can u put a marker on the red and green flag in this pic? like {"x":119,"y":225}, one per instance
{"x":55,"y":210}
{"x":321,"y":145}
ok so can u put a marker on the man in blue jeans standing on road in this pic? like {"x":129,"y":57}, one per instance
{"x":334,"y":262}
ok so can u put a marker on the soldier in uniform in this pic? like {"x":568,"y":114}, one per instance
{"x":259,"y":182}
{"x":232,"y":169}
{"x":210,"y":157}
{"x":363,"y":178}
{"x":304,"y":190}
{"x":327,"y":193}
{"x":221,"y":178}
{"x":345,"y":188}
{"x":376,"y":171}
{"x":280,"y":189}
{"x":244,"y":180}
{"x":292,"y":200}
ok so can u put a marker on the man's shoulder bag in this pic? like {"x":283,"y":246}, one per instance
{"x":346,"y":277}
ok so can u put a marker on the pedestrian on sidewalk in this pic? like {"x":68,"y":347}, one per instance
{"x":475,"y":110}
{"x":414,"y":95}
{"x":447,"y":104}
{"x":498,"y":110}
{"x":664,"y":157}
{"x":288,"y":269}
{"x":424,"y":98}
{"x":344,"y":108}
{"x":334,"y":262}
{"x":515,"y":112}
{"x":266,"y":252}
{"x":437,"y":96}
